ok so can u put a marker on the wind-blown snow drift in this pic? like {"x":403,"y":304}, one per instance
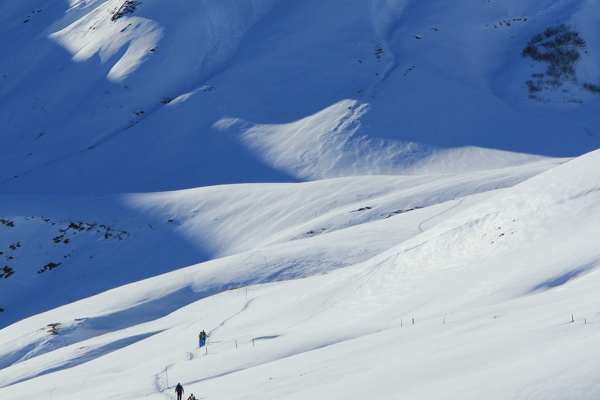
{"x":326,"y":145}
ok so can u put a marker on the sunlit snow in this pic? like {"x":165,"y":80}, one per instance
{"x":355,"y":199}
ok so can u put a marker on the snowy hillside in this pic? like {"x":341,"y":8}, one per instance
{"x":97,"y":100}
{"x":65,"y":248}
{"x":355,"y":198}
{"x":478,"y":306}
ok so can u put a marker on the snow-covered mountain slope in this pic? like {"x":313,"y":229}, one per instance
{"x":355,"y":198}
{"x":491,"y":290}
{"x":103,"y":96}
{"x":66,"y":248}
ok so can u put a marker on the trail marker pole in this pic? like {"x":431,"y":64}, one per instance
{"x":444,"y":319}
{"x":413,"y":321}
{"x":572,"y":319}
{"x":585,"y":321}
{"x":206,"y":350}
{"x":400,"y":322}
{"x":252,"y":342}
{"x":236,"y":344}
{"x":167,"y":373}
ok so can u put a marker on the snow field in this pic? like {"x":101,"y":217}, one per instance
{"x":76,"y":242}
{"x":150,"y":187}
{"x":507,"y":306}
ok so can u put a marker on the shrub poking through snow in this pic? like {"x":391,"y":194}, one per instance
{"x":6,"y":272}
{"x":559,"y":47}
{"x":533,"y":87}
{"x":128,"y":7}
{"x":48,"y":267}
{"x":53,"y":328}
{"x":592,"y":88}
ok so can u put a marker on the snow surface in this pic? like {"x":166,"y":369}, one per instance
{"x":82,"y":102}
{"x":101,"y":242}
{"x":504,"y":274}
{"x":354,"y":198}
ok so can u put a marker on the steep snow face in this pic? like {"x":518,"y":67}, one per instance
{"x":491,"y":290}
{"x":62,"y":101}
{"x":105,"y":34}
{"x":326,"y":145}
{"x":211,"y":33}
{"x":87,"y":95}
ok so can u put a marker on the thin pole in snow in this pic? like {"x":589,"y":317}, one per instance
{"x":206,"y":350}
{"x":572,"y":319}
{"x":444,"y":319}
{"x":400,"y":322}
{"x":413,"y":321}
{"x":585,"y":321}
{"x":236,"y":344}
{"x":246,"y":293}
{"x":167,"y":373}
{"x":252,"y":342}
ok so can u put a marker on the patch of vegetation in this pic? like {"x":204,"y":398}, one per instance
{"x":534,"y":87}
{"x":409,"y":69}
{"x":6,"y":272}
{"x":557,"y":46}
{"x":378,"y":52}
{"x":48,"y":267}
{"x":592,"y":88}
{"x":10,"y":224}
{"x":574,"y":101}
{"x":539,"y":99}
{"x":53,"y":328}
{"x":128,"y":7}
{"x":391,"y":214}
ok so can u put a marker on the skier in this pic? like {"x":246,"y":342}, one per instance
{"x":179,"y":391}
{"x":192,"y":397}
{"x":202,"y":336}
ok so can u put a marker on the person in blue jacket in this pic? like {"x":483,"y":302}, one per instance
{"x":202,"y":336}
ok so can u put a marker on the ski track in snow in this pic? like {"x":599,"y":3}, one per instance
{"x":437,"y":215}
{"x":343,"y":298}
{"x":160,"y":386}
